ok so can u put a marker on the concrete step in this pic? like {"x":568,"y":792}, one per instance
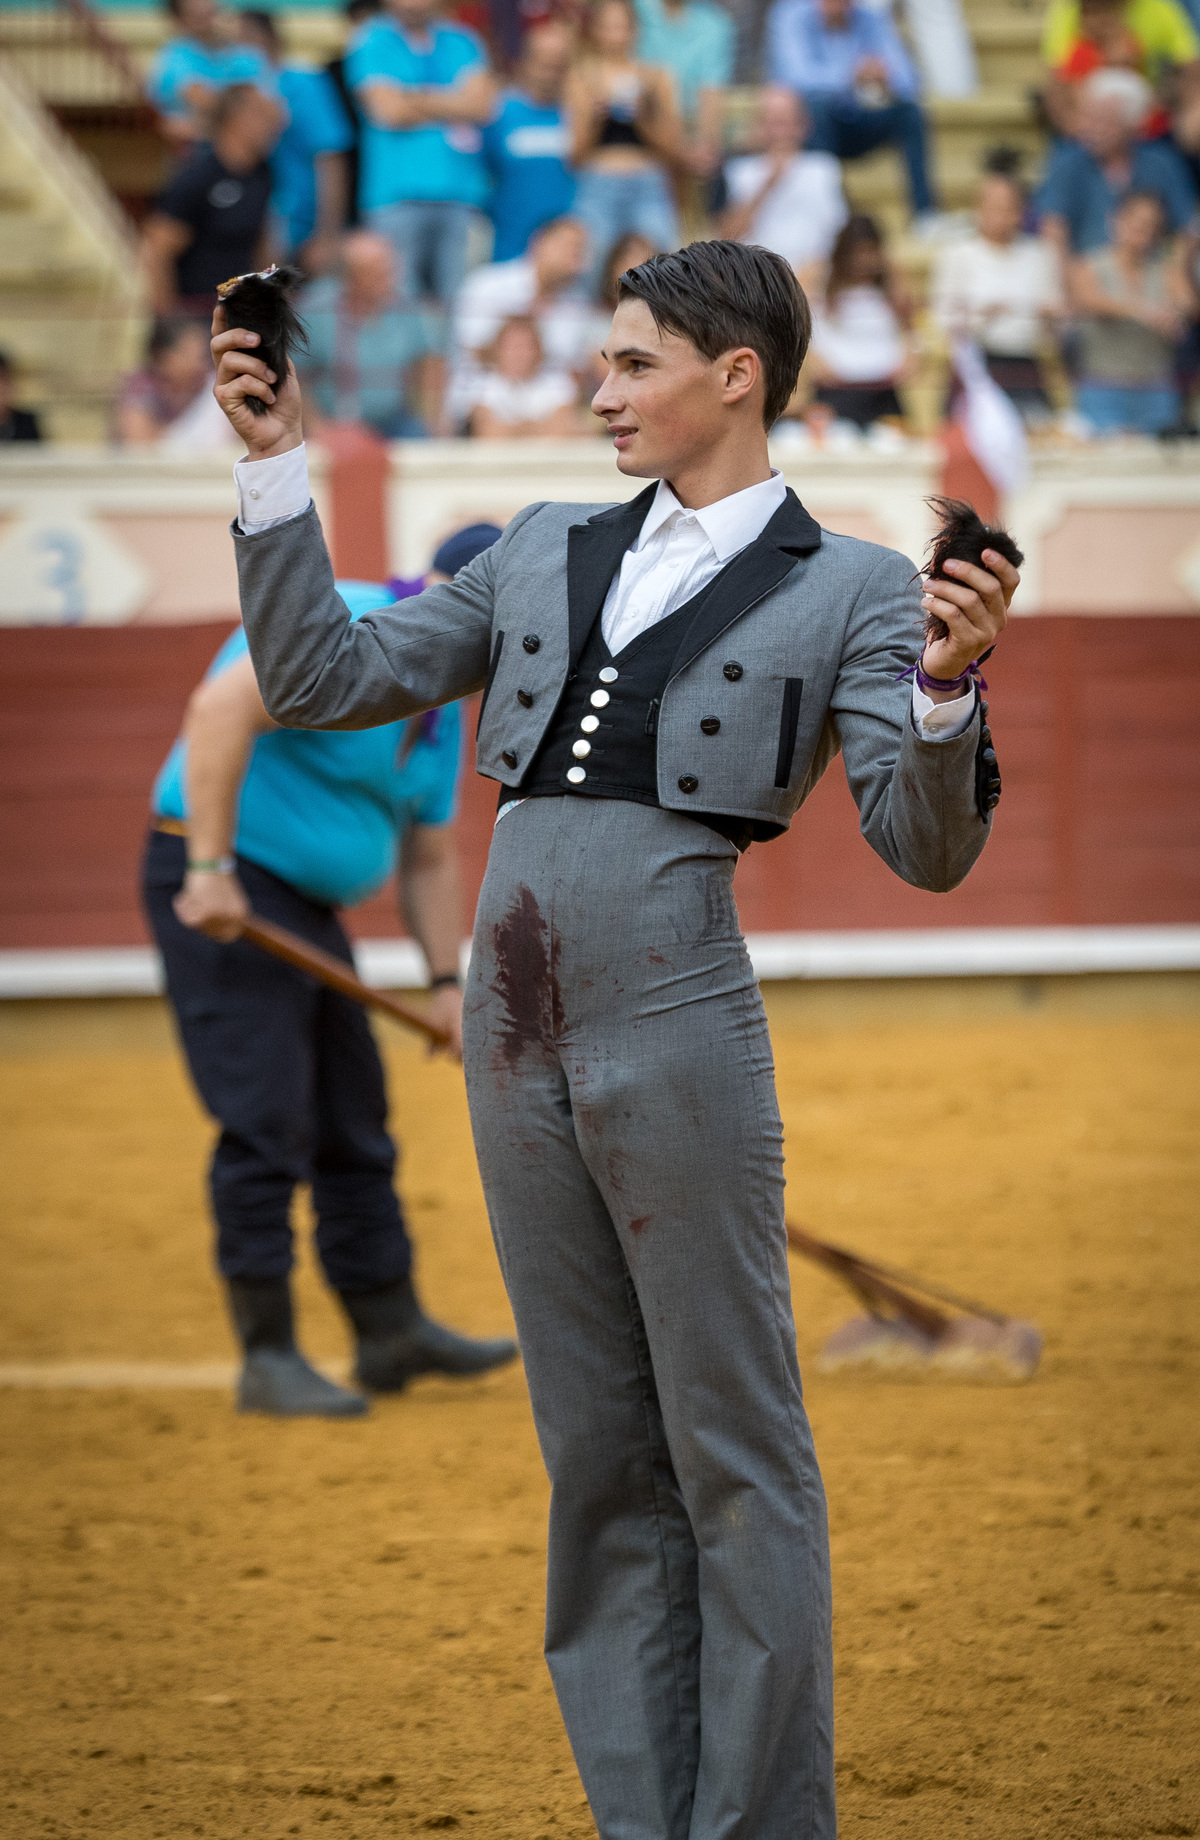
{"x":1009,"y":50}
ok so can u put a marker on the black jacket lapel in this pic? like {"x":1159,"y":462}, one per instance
{"x":594,"y":552}
{"x":761,"y":566}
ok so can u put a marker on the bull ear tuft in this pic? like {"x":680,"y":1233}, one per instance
{"x":262,"y":303}
{"x":962,"y":537}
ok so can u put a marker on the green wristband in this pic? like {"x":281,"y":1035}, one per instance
{"x":214,"y":865}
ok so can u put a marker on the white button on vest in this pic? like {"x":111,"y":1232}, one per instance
{"x":590,"y":724}
{"x":254,"y":491}
{"x":598,"y":699}
{"x":608,"y":675}
{"x":576,"y":775}
{"x":581,"y":749}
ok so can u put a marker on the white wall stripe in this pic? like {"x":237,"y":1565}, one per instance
{"x":1007,"y":951}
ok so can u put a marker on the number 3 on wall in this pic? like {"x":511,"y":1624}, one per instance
{"x":65,"y":554}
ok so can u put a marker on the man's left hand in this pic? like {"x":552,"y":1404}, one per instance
{"x":974,"y":606}
{"x":445,"y":1012}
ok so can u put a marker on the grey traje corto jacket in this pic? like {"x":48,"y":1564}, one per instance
{"x":796,"y":650}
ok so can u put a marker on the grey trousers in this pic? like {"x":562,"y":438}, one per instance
{"x":623,"y":1105}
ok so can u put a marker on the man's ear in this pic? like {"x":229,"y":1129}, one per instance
{"x":741,"y":371}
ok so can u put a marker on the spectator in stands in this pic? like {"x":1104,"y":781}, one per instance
{"x":355,"y":13}
{"x":695,"y":40}
{"x":1153,"y":37}
{"x":1134,"y":300}
{"x":15,"y":424}
{"x":527,"y":145}
{"x":859,"y":349}
{"x":211,"y":220}
{"x":309,"y":159}
{"x":423,"y":86}
{"x":517,"y":395}
{"x":1004,"y":290}
{"x":626,"y":133}
{"x":546,"y":285}
{"x":779,"y":196}
{"x":1088,"y":177}
{"x":855,"y":76}
{"x":372,"y":356}
{"x":177,"y":368}
{"x":196,"y":64}
{"x":628,"y":253}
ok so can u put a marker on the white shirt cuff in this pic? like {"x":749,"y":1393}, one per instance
{"x":272,"y":491}
{"x":933,"y":721}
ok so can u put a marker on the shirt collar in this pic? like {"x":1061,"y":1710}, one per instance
{"x":729,"y":524}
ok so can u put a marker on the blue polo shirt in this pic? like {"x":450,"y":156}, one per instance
{"x":318,"y":124}
{"x":183,"y":61}
{"x":433,"y":164}
{"x":1076,"y":187}
{"x":526,"y":148}
{"x":326,"y":811}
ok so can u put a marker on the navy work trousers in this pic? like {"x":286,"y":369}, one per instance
{"x":841,"y":125}
{"x":292,"y":1075}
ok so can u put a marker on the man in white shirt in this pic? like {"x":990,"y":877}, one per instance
{"x":664,"y":681}
{"x":779,"y":196}
{"x":545,"y":285}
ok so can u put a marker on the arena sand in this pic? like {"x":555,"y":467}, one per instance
{"x":237,"y":1628}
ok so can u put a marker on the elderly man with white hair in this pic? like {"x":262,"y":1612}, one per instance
{"x":1090,"y":176}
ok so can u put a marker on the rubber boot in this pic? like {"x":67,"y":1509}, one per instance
{"x":276,"y":1378}
{"x":397,"y":1341}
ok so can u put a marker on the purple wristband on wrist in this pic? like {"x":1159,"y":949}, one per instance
{"x":972,"y":675}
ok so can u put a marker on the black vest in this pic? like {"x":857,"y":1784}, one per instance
{"x":603,"y":740}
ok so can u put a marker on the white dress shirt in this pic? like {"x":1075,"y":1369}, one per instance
{"x":677,"y":553}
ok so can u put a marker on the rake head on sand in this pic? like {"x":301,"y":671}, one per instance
{"x":907,"y":1332}
{"x":908,"y":1329}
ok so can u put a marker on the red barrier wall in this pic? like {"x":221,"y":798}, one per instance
{"x":1094,"y":718}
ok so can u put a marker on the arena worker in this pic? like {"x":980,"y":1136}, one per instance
{"x":665,"y":680}
{"x":294,"y":825}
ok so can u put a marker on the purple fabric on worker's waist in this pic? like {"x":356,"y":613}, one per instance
{"x":403,"y":590}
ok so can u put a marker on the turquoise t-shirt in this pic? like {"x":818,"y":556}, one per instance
{"x":696,"y":44}
{"x":398,"y":165}
{"x":318,"y":124}
{"x":183,"y":61}
{"x":326,"y":811}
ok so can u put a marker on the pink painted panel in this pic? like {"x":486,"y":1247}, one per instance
{"x":1107,"y":559}
{"x":190,"y":559}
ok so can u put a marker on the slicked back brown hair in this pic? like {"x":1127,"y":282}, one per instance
{"x":720,"y":295}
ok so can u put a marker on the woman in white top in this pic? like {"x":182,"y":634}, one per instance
{"x":519,"y":396}
{"x":859,"y":350}
{"x":1002,"y":289}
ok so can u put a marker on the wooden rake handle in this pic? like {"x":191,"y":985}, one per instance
{"x":280,"y":943}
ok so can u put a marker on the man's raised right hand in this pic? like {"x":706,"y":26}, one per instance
{"x":241,"y":374}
